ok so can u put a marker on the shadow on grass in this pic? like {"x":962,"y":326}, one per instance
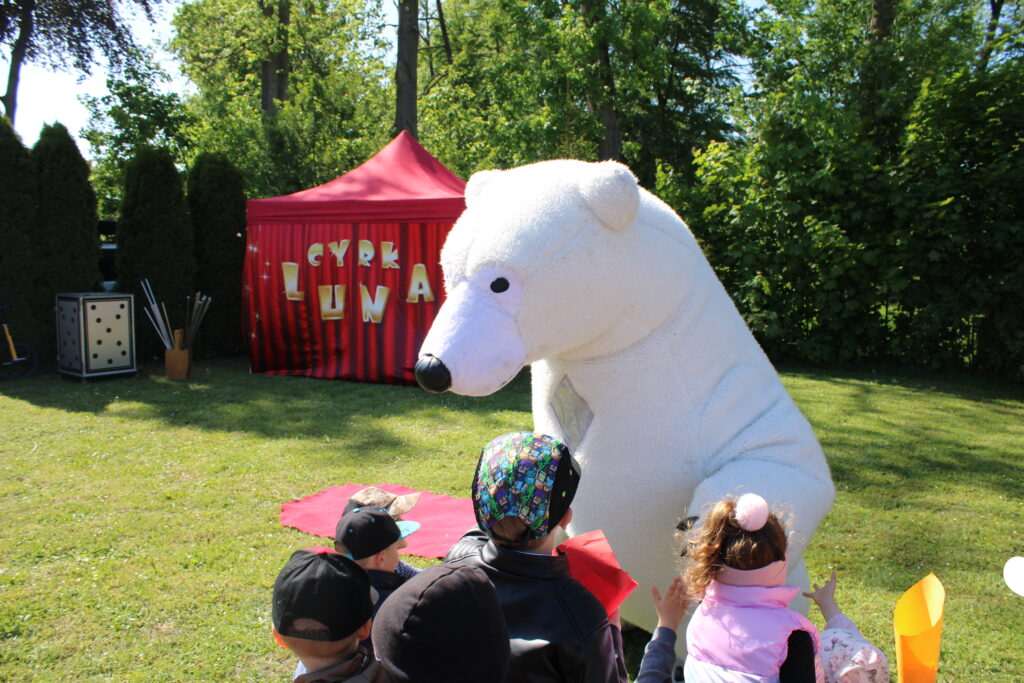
{"x":919,"y":434}
{"x":222,"y":395}
{"x":876,"y":429}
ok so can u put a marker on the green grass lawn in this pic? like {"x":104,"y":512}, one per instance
{"x":140,"y":535}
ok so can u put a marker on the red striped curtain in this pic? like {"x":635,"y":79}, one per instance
{"x":341,"y":301}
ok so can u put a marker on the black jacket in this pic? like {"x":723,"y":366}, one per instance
{"x":559,"y":631}
{"x":385,"y":584}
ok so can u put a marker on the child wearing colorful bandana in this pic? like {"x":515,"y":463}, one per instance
{"x":522,"y":493}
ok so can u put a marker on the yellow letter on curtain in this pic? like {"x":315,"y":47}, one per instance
{"x":373,"y":310}
{"x":332,"y":309}
{"x":419,"y":285}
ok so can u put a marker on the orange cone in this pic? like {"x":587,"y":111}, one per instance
{"x":918,"y":623}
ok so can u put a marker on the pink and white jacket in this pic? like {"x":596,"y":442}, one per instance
{"x":740,"y":634}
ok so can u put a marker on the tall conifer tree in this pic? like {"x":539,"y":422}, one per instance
{"x":216,"y":201}
{"x":154,"y":240}
{"x":17,"y":223}
{"x":65,"y":245}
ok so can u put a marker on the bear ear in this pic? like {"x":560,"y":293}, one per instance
{"x":612,"y":193}
{"x":476,"y":183}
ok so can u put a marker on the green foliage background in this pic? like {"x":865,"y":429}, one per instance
{"x":866,"y":214}
{"x":850,"y":168}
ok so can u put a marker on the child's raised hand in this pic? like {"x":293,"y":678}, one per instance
{"x":673,"y":606}
{"x":824,"y":597}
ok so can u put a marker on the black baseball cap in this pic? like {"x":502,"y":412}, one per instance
{"x":322,"y":584}
{"x":415,"y":628}
{"x":368,"y":530}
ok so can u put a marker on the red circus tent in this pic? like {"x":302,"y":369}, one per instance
{"x":343,"y":280}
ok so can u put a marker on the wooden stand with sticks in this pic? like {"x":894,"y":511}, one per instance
{"x":178,"y":346}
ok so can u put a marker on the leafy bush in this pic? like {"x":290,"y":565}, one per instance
{"x":879,"y":220}
{"x":964,"y":169}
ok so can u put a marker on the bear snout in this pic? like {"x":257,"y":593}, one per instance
{"x":432,"y":375}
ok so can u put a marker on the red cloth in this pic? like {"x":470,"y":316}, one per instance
{"x":342,"y":281}
{"x":592,"y":563}
{"x":443,"y":519}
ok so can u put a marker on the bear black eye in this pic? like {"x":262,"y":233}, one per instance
{"x":499,"y":285}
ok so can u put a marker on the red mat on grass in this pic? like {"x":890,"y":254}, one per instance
{"x":443,"y":519}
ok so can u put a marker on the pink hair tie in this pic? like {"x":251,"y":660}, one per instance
{"x":751,"y":512}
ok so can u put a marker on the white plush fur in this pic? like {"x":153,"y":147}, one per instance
{"x":608,"y":287}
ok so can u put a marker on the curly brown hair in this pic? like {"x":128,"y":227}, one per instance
{"x":721,"y":542}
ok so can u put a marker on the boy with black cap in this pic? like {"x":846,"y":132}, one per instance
{"x":322,"y":609}
{"x":396,"y":505}
{"x":371,"y":537}
{"x":522,"y":492}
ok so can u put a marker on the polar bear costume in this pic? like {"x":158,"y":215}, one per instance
{"x":640,"y":361}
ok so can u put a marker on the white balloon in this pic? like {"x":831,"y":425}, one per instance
{"x":1013,"y":574}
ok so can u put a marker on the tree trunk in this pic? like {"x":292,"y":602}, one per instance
{"x":18,"y":52}
{"x":611,"y":144}
{"x":882,"y":14}
{"x":405,"y":68}
{"x":594,"y":13}
{"x":274,"y":69}
{"x":995,"y":8}
{"x":877,"y":75}
{"x":444,"y":32}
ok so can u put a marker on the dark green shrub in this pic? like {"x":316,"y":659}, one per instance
{"x":17,"y":223}
{"x":964,"y":169}
{"x":154,"y":241}
{"x":65,"y":245}
{"x":216,"y":202}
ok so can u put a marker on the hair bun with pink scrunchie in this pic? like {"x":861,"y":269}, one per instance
{"x":751,"y":512}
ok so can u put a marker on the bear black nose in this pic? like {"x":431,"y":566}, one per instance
{"x":432,"y":375}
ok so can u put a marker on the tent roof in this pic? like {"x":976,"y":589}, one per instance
{"x":402,"y":182}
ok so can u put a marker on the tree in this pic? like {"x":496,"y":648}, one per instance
{"x":62,"y":34}
{"x":65,"y":245}
{"x":855,"y":216}
{"x":336,"y":115}
{"x":642,"y":81}
{"x":154,"y":238}
{"x":133,"y":114}
{"x":962,"y":168}
{"x":216,"y":201}
{"x":17,"y":223}
{"x":275,"y":67}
